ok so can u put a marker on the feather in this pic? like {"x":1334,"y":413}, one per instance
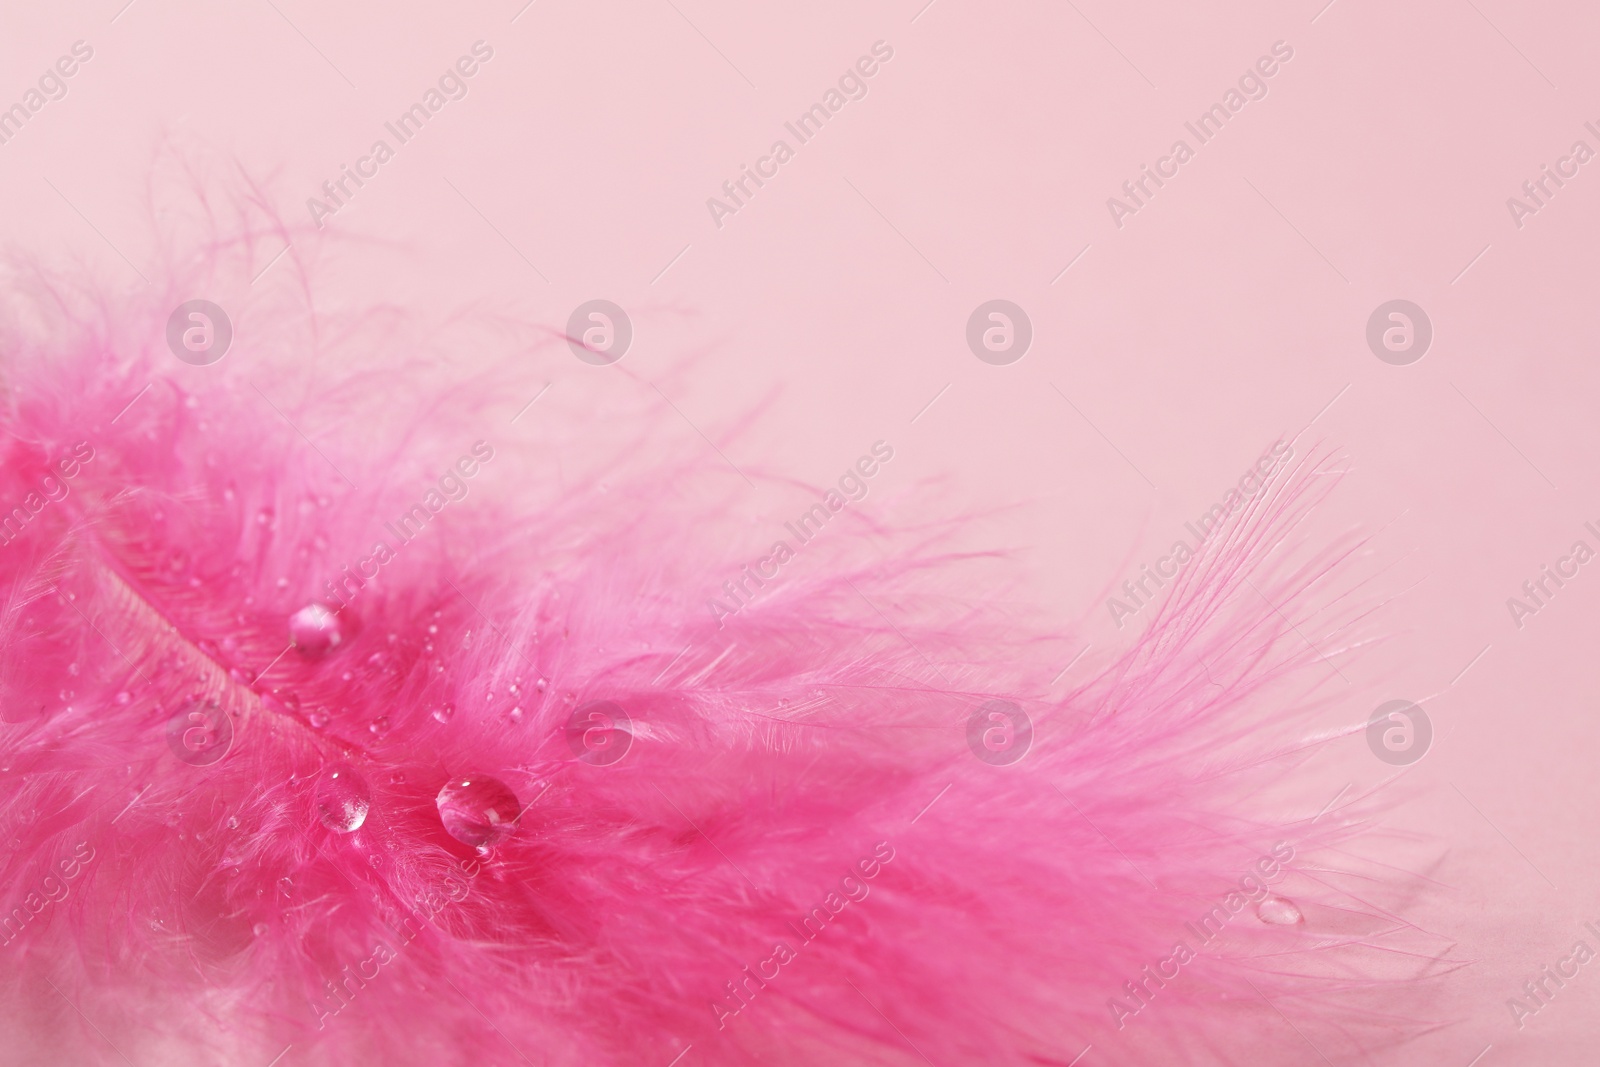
{"x":423,"y":753}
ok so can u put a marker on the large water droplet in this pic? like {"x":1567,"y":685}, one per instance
{"x":444,"y":712}
{"x":259,"y":929}
{"x":318,"y":718}
{"x":477,"y":810}
{"x":1279,"y":911}
{"x":315,"y":630}
{"x":379,"y":726}
{"x":515,"y":715}
{"x":343,"y":799}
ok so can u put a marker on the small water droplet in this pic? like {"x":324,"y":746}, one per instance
{"x":477,"y":810}
{"x":233,"y":822}
{"x":264,"y":517}
{"x":343,"y":799}
{"x":124,"y":697}
{"x":73,"y":669}
{"x":1279,"y":911}
{"x":379,"y":726}
{"x":285,"y":885}
{"x":444,"y":712}
{"x":541,"y":685}
{"x":516,"y":688}
{"x":432,"y":629}
{"x":315,"y":630}
{"x":259,"y":929}
{"x":515,"y":714}
{"x":65,"y":694}
{"x":318,"y":717}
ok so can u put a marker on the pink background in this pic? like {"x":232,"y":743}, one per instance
{"x":1231,"y":310}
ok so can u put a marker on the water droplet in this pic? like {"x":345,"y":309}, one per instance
{"x":259,"y":929}
{"x":477,"y":810}
{"x":65,"y":694}
{"x":541,"y":685}
{"x":285,"y":885}
{"x":1279,"y":912}
{"x":290,"y":701}
{"x":516,"y":688}
{"x":379,"y":726}
{"x":318,"y":718}
{"x":515,"y":715}
{"x":444,"y":712}
{"x":432,"y":629}
{"x":264,"y":517}
{"x":73,"y":669}
{"x":124,"y":697}
{"x":315,"y":630}
{"x":233,"y":822}
{"x":343,"y":799}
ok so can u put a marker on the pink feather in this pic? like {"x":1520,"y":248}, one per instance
{"x":798,"y":774}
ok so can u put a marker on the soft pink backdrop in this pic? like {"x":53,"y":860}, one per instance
{"x":1229,"y":311}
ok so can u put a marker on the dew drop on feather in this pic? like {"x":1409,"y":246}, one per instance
{"x":315,"y":630}
{"x":477,"y":810}
{"x":343,"y":799}
{"x":1279,"y":912}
